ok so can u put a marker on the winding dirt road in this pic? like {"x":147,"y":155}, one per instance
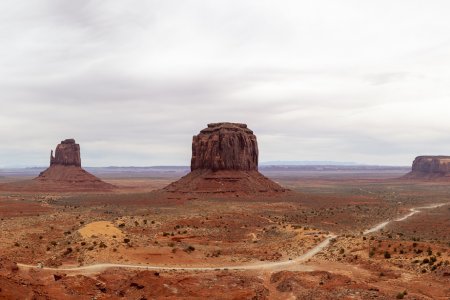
{"x":413,"y":211}
{"x":259,"y":266}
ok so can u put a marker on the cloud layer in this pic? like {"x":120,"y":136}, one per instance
{"x":132,"y":81}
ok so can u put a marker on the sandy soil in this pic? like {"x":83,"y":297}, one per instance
{"x":256,"y":247}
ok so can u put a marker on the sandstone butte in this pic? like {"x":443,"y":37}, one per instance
{"x":65,"y":171}
{"x":430,"y":167}
{"x":225,"y":161}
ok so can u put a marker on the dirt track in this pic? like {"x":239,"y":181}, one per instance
{"x":264,"y":266}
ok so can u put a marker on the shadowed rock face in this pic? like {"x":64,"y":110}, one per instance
{"x":225,"y":146}
{"x":65,"y":172}
{"x":433,"y":165}
{"x":67,"y":154}
{"x":225,"y":161}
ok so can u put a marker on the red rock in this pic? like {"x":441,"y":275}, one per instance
{"x":224,"y":161}
{"x":65,"y":172}
{"x":67,"y":154}
{"x":430,"y":167}
{"x":225,"y":146}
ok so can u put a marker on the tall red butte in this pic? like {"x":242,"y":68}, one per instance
{"x":65,"y":171}
{"x":225,"y":161}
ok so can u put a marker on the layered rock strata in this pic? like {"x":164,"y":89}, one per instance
{"x":225,"y":160}
{"x":66,"y":154}
{"x":65,"y":172}
{"x":225,"y":146}
{"x":430,"y":167}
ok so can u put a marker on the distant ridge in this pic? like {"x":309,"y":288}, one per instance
{"x":308,"y":163}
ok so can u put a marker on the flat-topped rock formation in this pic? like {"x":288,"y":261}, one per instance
{"x":66,"y":154}
{"x":225,"y":160}
{"x":64,"y":174}
{"x":65,"y":169}
{"x":225,"y":146}
{"x":430,"y":167}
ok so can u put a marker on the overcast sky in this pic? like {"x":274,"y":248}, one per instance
{"x":132,"y":81}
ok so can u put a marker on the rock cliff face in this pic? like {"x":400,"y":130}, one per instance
{"x":432,"y":164}
{"x":65,"y":172}
{"x":66,"y":154}
{"x":224,"y":161}
{"x":430,"y":167}
{"x":225,"y":146}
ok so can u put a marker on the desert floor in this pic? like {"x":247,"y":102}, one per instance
{"x":336,"y":235}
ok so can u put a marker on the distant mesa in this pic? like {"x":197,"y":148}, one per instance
{"x":225,"y":160}
{"x":225,"y":146}
{"x":67,"y":154}
{"x":65,"y":170}
{"x":430,"y":167}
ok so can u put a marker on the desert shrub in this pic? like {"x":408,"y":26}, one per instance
{"x":387,"y":255}
{"x":400,"y":295}
{"x":189,"y":249}
{"x":126,"y":240}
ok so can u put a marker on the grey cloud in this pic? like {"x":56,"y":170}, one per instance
{"x":384,"y":78}
{"x":133,"y":81}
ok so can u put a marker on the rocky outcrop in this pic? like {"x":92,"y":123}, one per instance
{"x":65,"y":172}
{"x":66,"y":154}
{"x":225,"y":161}
{"x":225,"y":146}
{"x":430,"y":167}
